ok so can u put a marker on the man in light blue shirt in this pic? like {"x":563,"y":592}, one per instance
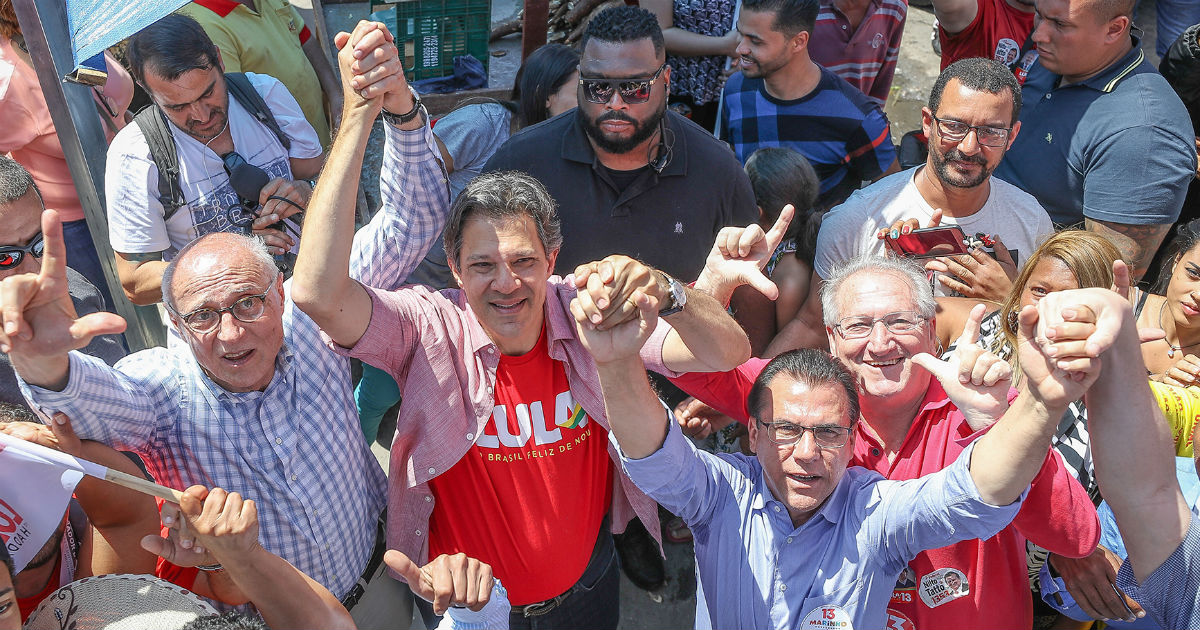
{"x":790,"y":538}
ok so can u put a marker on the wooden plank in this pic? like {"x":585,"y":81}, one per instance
{"x":533,"y":29}
{"x":81,"y":134}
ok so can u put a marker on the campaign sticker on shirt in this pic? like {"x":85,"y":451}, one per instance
{"x":829,"y":616}
{"x":897,"y":620}
{"x":942,"y":586}
{"x":906,"y":587}
{"x":1007,"y":51}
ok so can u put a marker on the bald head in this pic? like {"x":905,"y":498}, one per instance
{"x":213,"y":255}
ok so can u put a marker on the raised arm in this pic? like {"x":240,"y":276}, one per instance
{"x":40,"y":326}
{"x":227,"y":527}
{"x":1008,"y":458}
{"x":1128,"y":433}
{"x":322,"y":287}
{"x":955,"y":15}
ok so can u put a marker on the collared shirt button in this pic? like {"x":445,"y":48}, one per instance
{"x":491,"y":350}
{"x":489,"y":389}
{"x":1048,"y":95}
{"x":293,"y":477}
{"x":875,"y":452}
{"x":789,"y":540}
{"x":326,"y":547}
{"x":783,"y":587}
{"x":470,"y":436}
{"x":279,"y":440}
{"x":418,"y":532}
{"x":432,"y":470}
{"x":776,"y":507}
{"x":428,"y":498}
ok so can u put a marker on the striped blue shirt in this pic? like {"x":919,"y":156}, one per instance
{"x":295,"y":448}
{"x":841,"y":131}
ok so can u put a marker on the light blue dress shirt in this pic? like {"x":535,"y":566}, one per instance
{"x":758,"y":571}
{"x":1171,"y":580}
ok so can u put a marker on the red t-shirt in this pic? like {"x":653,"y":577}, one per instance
{"x":998,"y":32}
{"x":529,"y":496}
{"x":29,"y":604}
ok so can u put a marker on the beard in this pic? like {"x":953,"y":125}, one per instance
{"x":642,"y":130}
{"x":948,"y":176}
{"x":205,"y":136}
{"x":49,"y":551}
{"x":761,"y":68}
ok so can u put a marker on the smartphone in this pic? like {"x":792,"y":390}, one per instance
{"x":947,"y":240}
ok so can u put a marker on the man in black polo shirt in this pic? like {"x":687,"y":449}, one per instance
{"x":629,"y":176}
{"x":1104,"y":140}
{"x":632,"y":178}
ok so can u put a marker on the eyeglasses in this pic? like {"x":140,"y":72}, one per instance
{"x":897,"y":322}
{"x":787,"y":434}
{"x":246,"y":310}
{"x":12,"y":255}
{"x":632,"y":91}
{"x":955,"y":131}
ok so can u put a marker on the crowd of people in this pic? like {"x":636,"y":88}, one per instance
{"x":677,"y":287}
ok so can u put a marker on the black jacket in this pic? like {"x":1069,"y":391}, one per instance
{"x":1181,"y":68}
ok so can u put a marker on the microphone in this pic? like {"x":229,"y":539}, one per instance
{"x":248,"y":181}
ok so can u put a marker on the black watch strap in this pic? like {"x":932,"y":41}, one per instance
{"x":406,"y":117}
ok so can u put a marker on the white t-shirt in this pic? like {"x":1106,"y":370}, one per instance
{"x":849,"y":230}
{"x":135,"y":215}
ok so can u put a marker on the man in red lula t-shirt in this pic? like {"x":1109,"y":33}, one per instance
{"x":501,"y":449}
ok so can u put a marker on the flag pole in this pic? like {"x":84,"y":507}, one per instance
{"x":141,"y":485}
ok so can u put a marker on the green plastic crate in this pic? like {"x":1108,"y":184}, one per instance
{"x":431,"y":33}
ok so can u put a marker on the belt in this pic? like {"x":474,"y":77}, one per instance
{"x":541,"y":608}
{"x":350,"y":600}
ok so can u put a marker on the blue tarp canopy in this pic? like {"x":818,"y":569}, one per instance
{"x":98,"y":24}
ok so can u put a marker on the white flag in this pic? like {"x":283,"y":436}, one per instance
{"x":35,"y":485}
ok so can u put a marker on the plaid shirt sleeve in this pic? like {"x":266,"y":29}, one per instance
{"x":106,"y":404}
{"x":416,"y":200}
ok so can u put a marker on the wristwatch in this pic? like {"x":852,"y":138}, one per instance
{"x":400,"y":119}
{"x":676,"y":296}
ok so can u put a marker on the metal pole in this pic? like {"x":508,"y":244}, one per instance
{"x":44,"y":26}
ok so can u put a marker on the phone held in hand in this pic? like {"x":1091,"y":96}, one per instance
{"x":947,"y":240}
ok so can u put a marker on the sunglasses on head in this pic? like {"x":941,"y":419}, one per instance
{"x":632,"y":91}
{"x":12,"y":255}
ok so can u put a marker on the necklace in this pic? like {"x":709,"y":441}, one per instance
{"x":1171,"y":348}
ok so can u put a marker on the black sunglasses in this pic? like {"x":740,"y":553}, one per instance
{"x":12,"y":255}
{"x":632,"y":91}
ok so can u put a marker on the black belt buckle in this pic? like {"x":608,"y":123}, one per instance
{"x":541,"y":608}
